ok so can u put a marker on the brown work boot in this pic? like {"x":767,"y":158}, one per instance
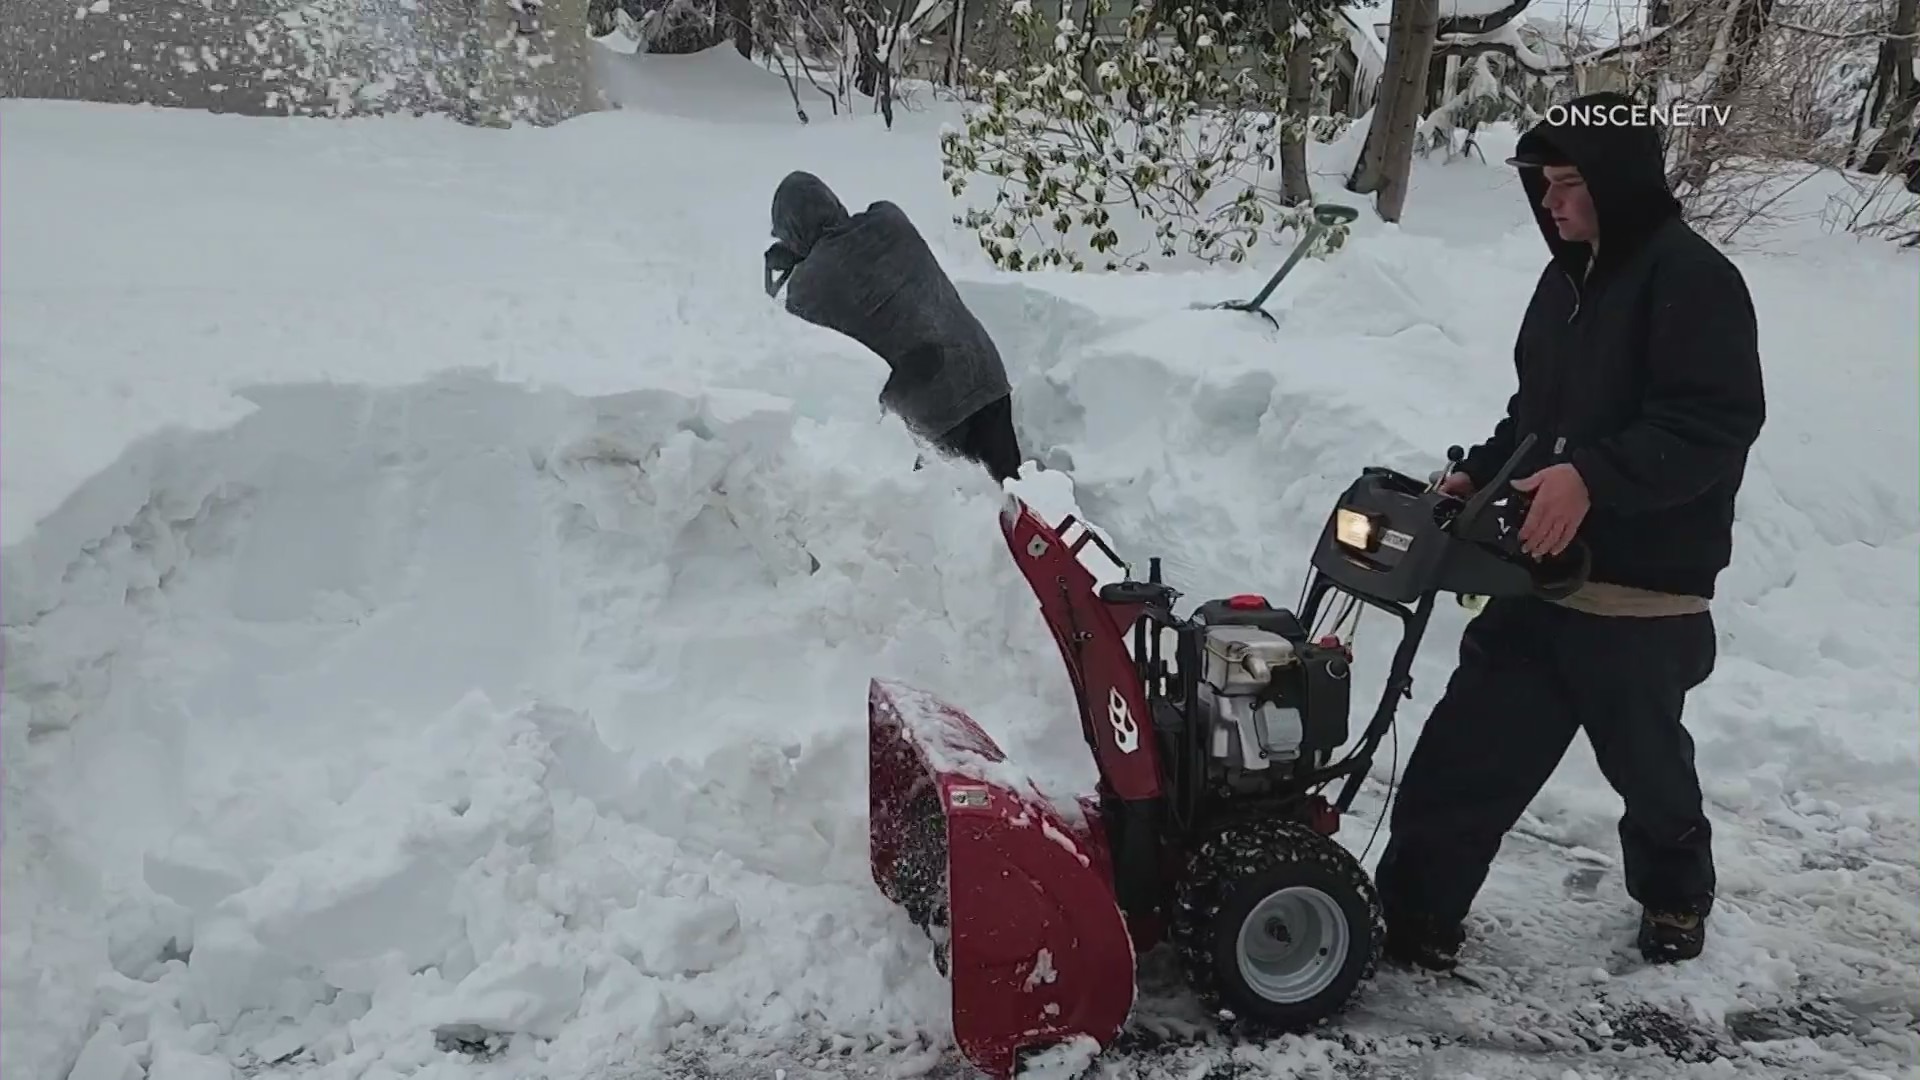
{"x":1669,"y":936}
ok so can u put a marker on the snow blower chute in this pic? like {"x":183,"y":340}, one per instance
{"x":1208,"y":829}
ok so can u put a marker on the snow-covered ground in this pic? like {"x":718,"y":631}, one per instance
{"x":440,"y":591}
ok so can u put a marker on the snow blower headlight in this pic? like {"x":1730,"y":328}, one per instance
{"x":1356,"y":530}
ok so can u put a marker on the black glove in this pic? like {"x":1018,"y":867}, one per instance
{"x":779,"y":260}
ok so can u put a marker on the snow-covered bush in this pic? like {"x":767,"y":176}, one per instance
{"x":1174,"y":122}
{"x":1478,"y":98}
{"x":671,"y":27}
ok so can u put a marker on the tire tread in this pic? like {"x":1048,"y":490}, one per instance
{"x":1256,"y":854}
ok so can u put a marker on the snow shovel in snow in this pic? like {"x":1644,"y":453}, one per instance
{"x":1325,"y":217}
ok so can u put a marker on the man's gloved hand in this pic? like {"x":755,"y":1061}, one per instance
{"x":780,"y":258}
{"x":780,"y":261}
{"x":1457,"y":484}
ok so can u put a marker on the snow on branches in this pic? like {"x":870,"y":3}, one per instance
{"x":1174,"y":122}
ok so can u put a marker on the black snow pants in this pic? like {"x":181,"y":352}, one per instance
{"x":988,"y":438}
{"x":1530,"y":675}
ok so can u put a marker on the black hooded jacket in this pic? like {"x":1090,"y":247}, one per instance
{"x":1642,"y":370}
{"x":872,"y":277}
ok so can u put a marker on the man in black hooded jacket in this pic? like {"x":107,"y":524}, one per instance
{"x":872,"y":277}
{"x":1639,"y":376}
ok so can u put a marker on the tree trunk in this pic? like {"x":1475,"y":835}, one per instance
{"x":866,"y":36}
{"x":1870,"y":103}
{"x":1386,"y":158}
{"x":1654,"y":58}
{"x":1891,"y":148}
{"x":1745,"y":32}
{"x":957,"y":45}
{"x":1397,"y":116}
{"x":888,"y":59}
{"x":1296,"y":187}
{"x":1749,"y":29}
{"x":1366,"y":174}
{"x":740,"y":14}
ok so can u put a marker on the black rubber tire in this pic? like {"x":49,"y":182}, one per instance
{"x":1227,"y":876}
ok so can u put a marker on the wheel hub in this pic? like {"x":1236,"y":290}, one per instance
{"x":1292,"y":944}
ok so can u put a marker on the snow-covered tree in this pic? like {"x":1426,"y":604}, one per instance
{"x":1415,"y":28}
{"x":1896,"y":83}
{"x":1153,"y":142}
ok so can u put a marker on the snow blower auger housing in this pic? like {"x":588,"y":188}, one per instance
{"x":1208,"y":829}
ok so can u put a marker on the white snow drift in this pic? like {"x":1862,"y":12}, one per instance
{"x":478,"y":706}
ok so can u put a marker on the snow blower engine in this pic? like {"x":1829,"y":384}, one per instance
{"x":1214,"y":736}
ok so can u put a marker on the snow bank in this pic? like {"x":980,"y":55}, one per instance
{"x":306,"y":640}
{"x":457,"y":663}
{"x":464,"y":706}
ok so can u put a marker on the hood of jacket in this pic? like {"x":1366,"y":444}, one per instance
{"x":1620,"y":156}
{"x":805,"y":209}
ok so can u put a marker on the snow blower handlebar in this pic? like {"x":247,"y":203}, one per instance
{"x":1477,"y":504}
{"x":1393,"y":540}
{"x":1395,"y":543}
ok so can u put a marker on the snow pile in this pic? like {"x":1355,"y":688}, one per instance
{"x":454,"y":662}
{"x":468,"y":707}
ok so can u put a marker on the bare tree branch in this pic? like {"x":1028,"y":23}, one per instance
{"x":1883,"y":34}
{"x":1483,"y":24}
{"x":1506,"y":41}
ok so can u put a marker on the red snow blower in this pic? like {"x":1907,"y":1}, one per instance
{"x":1208,"y":830}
